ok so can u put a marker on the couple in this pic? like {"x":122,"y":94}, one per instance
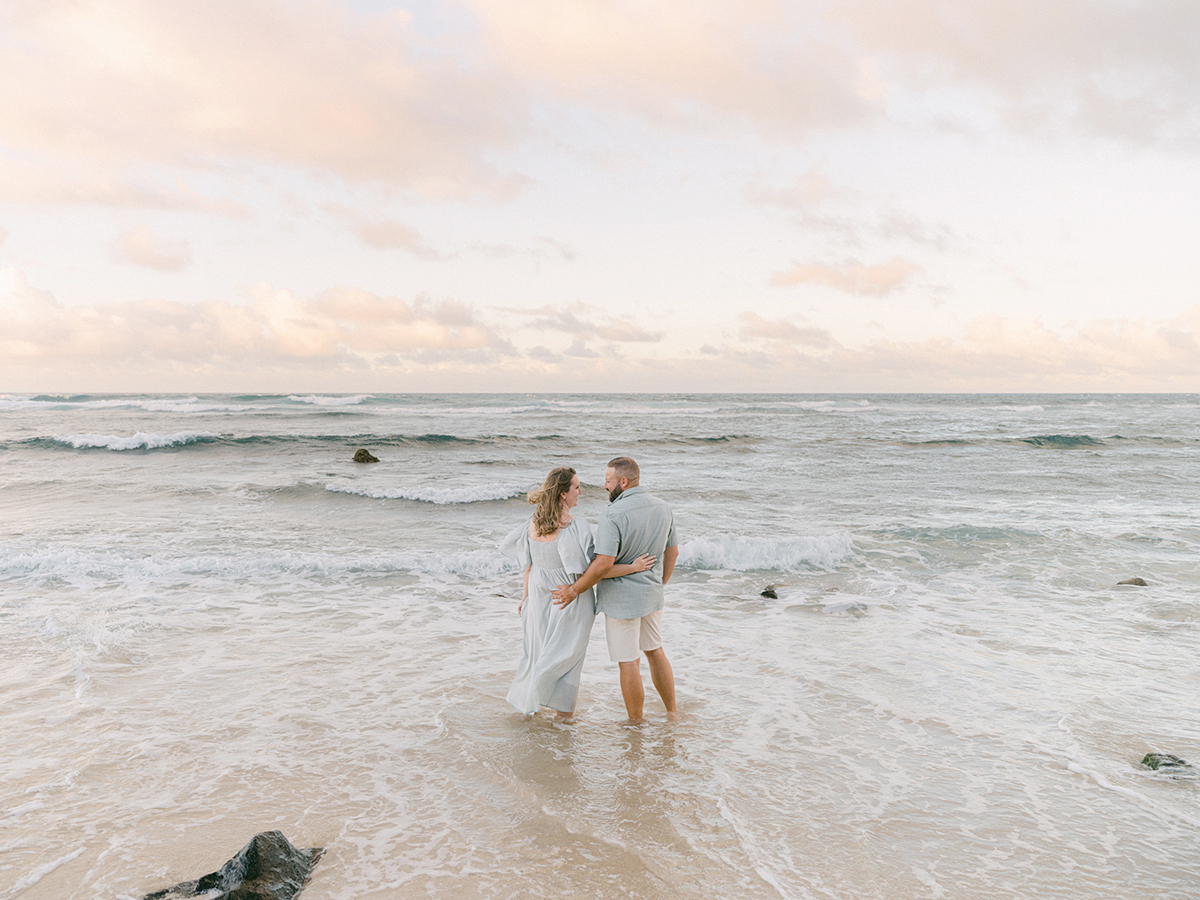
{"x":630,"y":559}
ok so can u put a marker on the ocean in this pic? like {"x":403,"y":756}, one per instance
{"x":215,"y":623}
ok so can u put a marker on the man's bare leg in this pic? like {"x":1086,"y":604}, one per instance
{"x":664,"y":679}
{"x":632,"y":690}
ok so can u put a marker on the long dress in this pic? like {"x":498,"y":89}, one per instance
{"x":555,"y":640}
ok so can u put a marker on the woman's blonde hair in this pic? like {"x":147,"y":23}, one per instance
{"x":548,"y":516}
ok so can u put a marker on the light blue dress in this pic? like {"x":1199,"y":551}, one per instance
{"x":555,"y":640}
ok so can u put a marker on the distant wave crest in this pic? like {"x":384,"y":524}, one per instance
{"x":139,"y":441}
{"x":1063,"y":440}
{"x":438,"y":495}
{"x":744,"y":554}
{"x":320,"y":400}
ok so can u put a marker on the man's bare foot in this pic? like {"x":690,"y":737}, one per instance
{"x":634,"y":722}
{"x":673,"y":716}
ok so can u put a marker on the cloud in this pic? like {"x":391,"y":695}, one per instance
{"x":1124,"y":69}
{"x":850,"y":276}
{"x":141,"y":247}
{"x":753,"y":60}
{"x":341,"y":326}
{"x":610,"y":329}
{"x":313,"y":86}
{"x":812,"y":188}
{"x":755,"y":326}
{"x":391,"y":235}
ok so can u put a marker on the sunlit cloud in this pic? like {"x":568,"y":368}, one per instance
{"x":311,"y":86}
{"x":752,"y":325}
{"x":850,"y":276}
{"x":751,"y":60}
{"x":273,"y":325}
{"x":141,"y":247}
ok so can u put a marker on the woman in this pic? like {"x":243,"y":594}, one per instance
{"x":555,"y":548}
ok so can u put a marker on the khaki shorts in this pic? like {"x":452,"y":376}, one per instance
{"x":629,"y":638}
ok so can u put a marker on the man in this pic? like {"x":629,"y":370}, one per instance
{"x":635,"y":523}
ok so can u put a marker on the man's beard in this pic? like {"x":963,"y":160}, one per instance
{"x":615,"y":493}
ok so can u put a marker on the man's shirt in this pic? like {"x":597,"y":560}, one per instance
{"x":637,"y":522}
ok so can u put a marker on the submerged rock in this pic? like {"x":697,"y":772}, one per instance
{"x":770,"y":594}
{"x":267,"y":868}
{"x":1157,"y":761}
{"x":1140,"y":582}
{"x":364,"y":455}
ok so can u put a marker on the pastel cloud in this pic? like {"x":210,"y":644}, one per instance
{"x":750,"y":59}
{"x":274,"y":326}
{"x":611,"y":328}
{"x":850,"y":276}
{"x":752,"y":325}
{"x":312,"y":86}
{"x":391,"y":235}
{"x":141,"y":247}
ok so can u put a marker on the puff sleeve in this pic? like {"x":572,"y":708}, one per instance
{"x":516,"y":545}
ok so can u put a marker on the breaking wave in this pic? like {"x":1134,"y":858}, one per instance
{"x":439,"y":495}
{"x":139,"y":441}
{"x":745,"y":554}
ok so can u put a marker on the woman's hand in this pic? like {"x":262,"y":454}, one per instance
{"x":521,"y":605}
{"x":644,"y":562}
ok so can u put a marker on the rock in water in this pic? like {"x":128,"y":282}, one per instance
{"x":364,"y":455}
{"x":1140,"y":582}
{"x":1165,"y":761}
{"x":267,"y":868}
{"x":770,"y":594}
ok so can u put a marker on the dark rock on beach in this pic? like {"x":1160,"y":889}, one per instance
{"x":1140,"y":582}
{"x":770,"y":594}
{"x":1165,"y":762}
{"x":267,"y":868}
{"x":364,"y":456}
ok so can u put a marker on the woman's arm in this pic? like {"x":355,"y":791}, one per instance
{"x":524,"y":591}
{"x":641,"y":564}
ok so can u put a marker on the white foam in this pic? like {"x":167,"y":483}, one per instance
{"x":82,"y":568}
{"x":41,"y":872}
{"x":318,"y":400}
{"x":439,"y":495}
{"x":743,"y":554}
{"x":139,"y":441}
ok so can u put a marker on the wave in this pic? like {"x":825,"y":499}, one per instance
{"x":139,"y":441}
{"x":321,"y":400}
{"x":1063,"y":440}
{"x":147,"y":404}
{"x":439,"y":495}
{"x":77,"y":567}
{"x":744,"y":554}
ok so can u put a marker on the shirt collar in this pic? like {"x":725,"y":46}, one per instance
{"x":637,"y":488}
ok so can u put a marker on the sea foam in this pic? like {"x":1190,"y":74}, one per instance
{"x":139,"y":441}
{"x":439,"y":495}
{"x":744,"y":554}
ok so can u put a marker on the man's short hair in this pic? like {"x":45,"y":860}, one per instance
{"x":626,"y":468}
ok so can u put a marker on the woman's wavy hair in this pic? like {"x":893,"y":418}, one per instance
{"x":547,"y":518}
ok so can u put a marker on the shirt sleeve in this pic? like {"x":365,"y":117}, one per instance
{"x":672,"y":538}
{"x":516,"y":545}
{"x":608,"y":537}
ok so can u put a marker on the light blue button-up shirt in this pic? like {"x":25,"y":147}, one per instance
{"x":637,"y":522}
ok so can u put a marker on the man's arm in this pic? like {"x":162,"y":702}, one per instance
{"x":564,"y":595}
{"x":669,"y":556}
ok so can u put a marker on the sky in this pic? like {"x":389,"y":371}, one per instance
{"x":599,"y":195}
